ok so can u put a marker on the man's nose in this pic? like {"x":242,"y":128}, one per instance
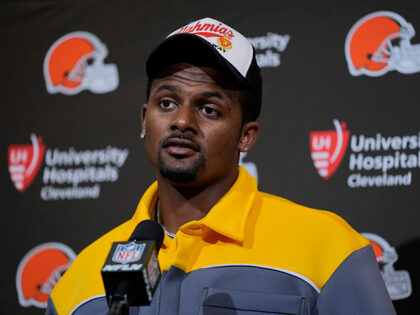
{"x":185,"y":119}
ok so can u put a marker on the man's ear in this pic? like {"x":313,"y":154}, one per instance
{"x":250,"y":133}
{"x":143,"y":118}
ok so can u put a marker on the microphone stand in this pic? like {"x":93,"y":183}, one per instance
{"x":119,"y":307}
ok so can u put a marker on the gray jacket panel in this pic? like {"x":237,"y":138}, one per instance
{"x":356,"y":287}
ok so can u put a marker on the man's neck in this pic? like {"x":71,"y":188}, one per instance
{"x":180,"y":204}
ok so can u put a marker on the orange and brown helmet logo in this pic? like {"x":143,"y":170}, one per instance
{"x":380,"y":42}
{"x":39,"y":270}
{"x":398,"y":282}
{"x":75,"y":62}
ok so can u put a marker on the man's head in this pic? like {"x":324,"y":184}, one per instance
{"x":210,"y":43}
{"x":204,"y":95}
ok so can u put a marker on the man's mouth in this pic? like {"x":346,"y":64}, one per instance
{"x":180,"y":146}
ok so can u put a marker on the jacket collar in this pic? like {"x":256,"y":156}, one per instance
{"x":227,"y":217}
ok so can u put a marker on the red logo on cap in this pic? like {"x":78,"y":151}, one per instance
{"x":224,"y":42}
{"x":328,"y":148}
{"x":24,"y":162}
{"x":207,"y":30}
{"x":38,"y":272}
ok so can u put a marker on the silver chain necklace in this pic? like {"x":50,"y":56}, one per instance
{"x":171,"y":235}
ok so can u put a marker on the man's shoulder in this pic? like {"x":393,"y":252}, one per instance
{"x":308,"y":241}
{"x":307,"y":217}
{"x":314,"y":230}
{"x":82,"y":280}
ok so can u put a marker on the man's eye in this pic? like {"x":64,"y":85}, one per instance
{"x":208,"y":111}
{"x":166,"y":104}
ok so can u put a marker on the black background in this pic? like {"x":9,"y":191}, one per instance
{"x":310,"y":88}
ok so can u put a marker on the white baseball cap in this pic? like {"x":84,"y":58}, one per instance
{"x":210,"y":42}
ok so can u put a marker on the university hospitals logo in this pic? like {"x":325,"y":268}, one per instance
{"x":128,"y":253}
{"x":374,"y":161}
{"x":328,"y":148}
{"x":398,"y":282}
{"x":39,"y":271}
{"x":75,"y":62}
{"x":268,"y":48}
{"x":24,"y":162}
{"x":68,"y":173}
{"x":380,"y":42}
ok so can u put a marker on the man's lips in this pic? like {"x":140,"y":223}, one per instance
{"x":178,"y":146}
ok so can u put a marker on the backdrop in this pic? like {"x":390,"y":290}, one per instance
{"x":340,"y":124}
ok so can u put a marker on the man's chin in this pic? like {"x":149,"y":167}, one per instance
{"x":178,"y":175}
{"x":180,"y":171}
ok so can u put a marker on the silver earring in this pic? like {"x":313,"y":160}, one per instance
{"x":142,"y":135}
{"x":245,"y":148}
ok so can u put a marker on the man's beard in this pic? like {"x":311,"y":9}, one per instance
{"x":180,"y":174}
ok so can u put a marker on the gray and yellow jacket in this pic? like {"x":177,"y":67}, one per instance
{"x":253,"y":253}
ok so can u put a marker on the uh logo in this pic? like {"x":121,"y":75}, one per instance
{"x":24,"y":162}
{"x":328,"y":148}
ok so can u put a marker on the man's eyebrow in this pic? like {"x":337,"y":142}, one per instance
{"x":168,"y":87}
{"x":213,"y":94}
{"x":174,"y":88}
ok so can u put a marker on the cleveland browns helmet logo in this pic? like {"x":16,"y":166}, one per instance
{"x":380,"y":42}
{"x":75,"y":62}
{"x":39,"y":270}
{"x":398,"y":282}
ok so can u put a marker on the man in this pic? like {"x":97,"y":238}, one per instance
{"x":228,"y":248}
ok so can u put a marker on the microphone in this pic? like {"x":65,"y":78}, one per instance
{"x":131,"y":271}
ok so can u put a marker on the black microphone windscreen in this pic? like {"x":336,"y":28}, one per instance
{"x":148,"y":230}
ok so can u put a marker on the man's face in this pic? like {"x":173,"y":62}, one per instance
{"x":193,"y":125}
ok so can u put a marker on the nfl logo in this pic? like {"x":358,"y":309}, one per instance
{"x":128,"y":253}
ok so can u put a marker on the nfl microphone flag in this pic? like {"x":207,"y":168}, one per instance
{"x":131,"y":271}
